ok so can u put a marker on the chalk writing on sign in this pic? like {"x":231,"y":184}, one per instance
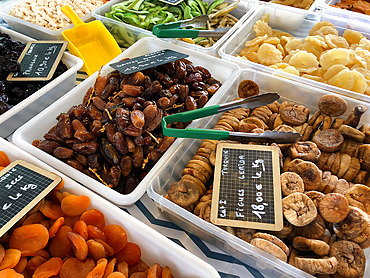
{"x":148,"y":61}
{"x":22,"y":185}
{"x":246,"y":188}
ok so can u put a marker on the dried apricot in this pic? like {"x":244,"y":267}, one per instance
{"x":34,"y":263}
{"x":51,"y":210}
{"x":110,"y":268}
{"x":10,"y":273}
{"x":116,"y":237}
{"x":155,"y":271}
{"x":4,"y":160}
{"x":60,"y":245}
{"x":98,"y":270}
{"x":166,"y":272}
{"x":74,"y":268}
{"x":130,"y":254}
{"x":56,"y":226}
{"x":73,"y":205}
{"x":79,"y":245}
{"x":49,"y":268}
{"x":29,"y":239}
{"x":116,"y":275}
{"x":34,"y":218}
{"x":108,"y":249}
{"x":71,"y":220}
{"x":123,"y":268}
{"x":96,"y":233}
{"x":21,"y":265}
{"x":96,"y":249}
{"x":11,"y":258}
{"x":81,"y":228}
{"x":93,"y":217}
{"x":140,"y":266}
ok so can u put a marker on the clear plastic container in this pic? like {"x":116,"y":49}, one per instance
{"x":342,"y":13}
{"x":155,"y":247}
{"x":171,"y":172}
{"x":300,"y":29}
{"x":126,"y":34}
{"x":39,"y":125}
{"x":31,"y":29}
{"x":312,"y":8}
{"x":38,"y":101}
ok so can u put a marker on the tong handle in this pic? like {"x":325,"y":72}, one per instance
{"x":174,"y":33}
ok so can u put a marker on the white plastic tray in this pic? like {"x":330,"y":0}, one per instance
{"x":118,"y":29}
{"x":342,"y":13}
{"x":173,"y":166}
{"x":298,"y":28}
{"x":34,"y":104}
{"x":155,"y":247}
{"x":39,"y":125}
{"x":32,"y":29}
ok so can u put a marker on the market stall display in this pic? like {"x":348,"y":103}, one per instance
{"x":146,"y":115}
{"x":308,"y":51}
{"x":44,"y":19}
{"x":129,"y":26}
{"x":21,"y":100}
{"x":105,"y":229}
{"x":307,"y":119}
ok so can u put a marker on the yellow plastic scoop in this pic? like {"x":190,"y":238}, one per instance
{"x":92,"y":42}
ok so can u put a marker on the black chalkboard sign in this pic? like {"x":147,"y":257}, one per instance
{"x":39,"y":60}
{"x":246,"y":188}
{"x":172,"y":2}
{"x":22,"y":186}
{"x":148,"y":61}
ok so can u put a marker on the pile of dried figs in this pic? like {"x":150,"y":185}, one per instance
{"x":115,"y":135}
{"x":325,"y":184}
{"x":11,"y":93}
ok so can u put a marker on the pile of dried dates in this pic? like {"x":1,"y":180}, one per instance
{"x":11,"y":93}
{"x":325,"y":183}
{"x":115,"y":135}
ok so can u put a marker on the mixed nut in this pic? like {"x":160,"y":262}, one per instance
{"x":324,"y":179}
{"x":115,"y":136}
{"x":11,"y":93}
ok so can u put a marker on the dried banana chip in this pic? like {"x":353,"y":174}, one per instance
{"x":256,"y":41}
{"x":262,"y":28}
{"x":359,"y":82}
{"x":334,"y":41}
{"x":292,"y":44}
{"x":343,"y":79}
{"x":311,"y":47}
{"x":304,"y":62}
{"x":333,"y":70}
{"x":334,"y":57}
{"x":319,"y":25}
{"x":268,"y":54}
{"x":318,"y":40}
{"x":272,"y":40}
{"x":364,"y":43}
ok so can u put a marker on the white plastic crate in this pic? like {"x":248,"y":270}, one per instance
{"x":172,"y":168}
{"x":39,"y":100}
{"x":300,"y":29}
{"x":155,"y":247}
{"x":127,"y":34}
{"x":39,"y":125}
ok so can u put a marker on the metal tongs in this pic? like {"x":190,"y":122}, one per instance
{"x":198,"y":133}
{"x":173,"y":29}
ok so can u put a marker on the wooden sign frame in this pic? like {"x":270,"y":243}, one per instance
{"x":53,"y":68}
{"x":56,"y":180}
{"x":278,"y":213}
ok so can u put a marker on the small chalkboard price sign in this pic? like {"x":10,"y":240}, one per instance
{"x":22,"y":186}
{"x":39,"y":61}
{"x":148,"y":61}
{"x":246,"y":188}
{"x":172,"y":2}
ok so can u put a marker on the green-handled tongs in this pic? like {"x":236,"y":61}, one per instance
{"x":211,"y":134}
{"x":173,"y":29}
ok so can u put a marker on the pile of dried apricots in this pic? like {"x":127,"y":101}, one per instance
{"x":61,"y":237}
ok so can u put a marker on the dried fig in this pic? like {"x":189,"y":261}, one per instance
{"x":290,"y":183}
{"x":328,"y":140}
{"x":334,"y":207}
{"x":299,"y":209}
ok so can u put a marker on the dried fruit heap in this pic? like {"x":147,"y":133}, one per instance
{"x":325,"y":183}
{"x":61,"y":237}
{"x":115,"y":135}
{"x":12,"y":93}
{"x":323,"y":56}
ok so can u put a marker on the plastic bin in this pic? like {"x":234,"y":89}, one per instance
{"x":39,"y":125}
{"x":342,"y":13}
{"x":38,"y":101}
{"x":236,"y":42}
{"x":126,"y":34}
{"x":31,"y":29}
{"x":312,"y":8}
{"x":155,"y":247}
{"x":173,"y":166}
